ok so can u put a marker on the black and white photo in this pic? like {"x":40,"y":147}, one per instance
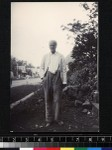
{"x":54,"y":67}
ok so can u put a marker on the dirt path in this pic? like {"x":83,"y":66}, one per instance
{"x":29,"y":117}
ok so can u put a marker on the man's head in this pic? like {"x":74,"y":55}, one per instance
{"x":53,"y":45}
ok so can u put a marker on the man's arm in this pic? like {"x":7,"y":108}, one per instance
{"x":64,"y":71}
{"x":42,"y":68}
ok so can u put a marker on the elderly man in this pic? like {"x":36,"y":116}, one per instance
{"x":53,"y":73}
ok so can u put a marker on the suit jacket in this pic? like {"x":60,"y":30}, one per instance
{"x":62,"y":66}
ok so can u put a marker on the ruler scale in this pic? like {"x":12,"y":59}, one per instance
{"x":88,"y":139}
{"x":56,"y":141}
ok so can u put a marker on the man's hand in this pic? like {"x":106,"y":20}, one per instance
{"x":42,"y":81}
{"x":64,"y":87}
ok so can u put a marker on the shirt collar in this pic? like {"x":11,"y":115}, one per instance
{"x":54,"y":53}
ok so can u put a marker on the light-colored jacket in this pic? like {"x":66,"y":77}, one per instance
{"x":62,"y":66}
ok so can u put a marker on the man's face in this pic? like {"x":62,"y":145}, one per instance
{"x":52,"y":46}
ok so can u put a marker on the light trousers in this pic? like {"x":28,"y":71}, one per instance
{"x":53,"y":94}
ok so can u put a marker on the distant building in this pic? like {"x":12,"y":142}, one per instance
{"x":22,"y":71}
{"x":22,"y":68}
{"x":33,"y":71}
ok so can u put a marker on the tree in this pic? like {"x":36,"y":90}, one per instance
{"x":83,"y":70}
{"x":85,"y":37}
{"x":14,"y":66}
{"x":22,"y":63}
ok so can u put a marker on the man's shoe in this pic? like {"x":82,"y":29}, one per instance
{"x":48,"y":124}
{"x":59,"y":122}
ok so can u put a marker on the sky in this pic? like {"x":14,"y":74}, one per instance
{"x":34,"y":24}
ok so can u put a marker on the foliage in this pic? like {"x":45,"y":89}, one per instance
{"x":83,"y":70}
{"x":14,"y":66}
{"x":85,"y":36}
{"x":85,"y":81}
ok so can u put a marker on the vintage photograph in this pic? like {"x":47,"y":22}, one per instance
{"x":54,"y":67}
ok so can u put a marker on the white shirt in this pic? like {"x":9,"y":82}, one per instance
{"x":54,"y":62}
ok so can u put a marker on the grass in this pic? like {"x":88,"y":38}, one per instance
{"x":19,"y":92}
{"x":30,"y":117}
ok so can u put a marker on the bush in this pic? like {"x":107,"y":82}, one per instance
{"x":85,"y":79}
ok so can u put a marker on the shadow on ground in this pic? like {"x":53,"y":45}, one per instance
{"x":29,"y":117}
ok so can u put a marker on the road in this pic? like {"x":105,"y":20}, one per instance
{"x":33,"y":81}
